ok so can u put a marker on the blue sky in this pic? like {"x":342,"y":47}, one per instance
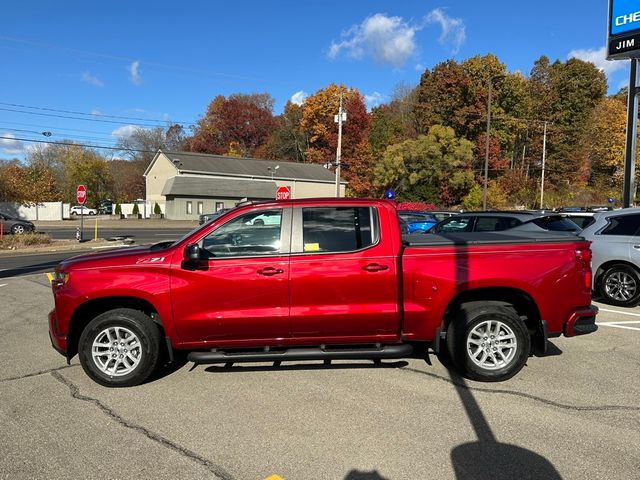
{"x":160,"y":61}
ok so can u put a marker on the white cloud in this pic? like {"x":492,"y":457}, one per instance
{"x":91,"y":79}
{"x":134,"y":73}
{"x":387,"y":40}
{"x":9,"y":145}
{"x":597,"y":56}
{"x":374,"y":99}
{"x":453,"y":29}
{"x":419,"y":67}
{"x":125,"y":131}
{"x":299,"y":97}
{"x":96,"y":113}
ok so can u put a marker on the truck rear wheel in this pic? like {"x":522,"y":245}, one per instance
{"x":120,"y":348}
{"x":488,"y":343}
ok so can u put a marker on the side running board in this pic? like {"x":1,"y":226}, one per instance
{"x":295,"y":354}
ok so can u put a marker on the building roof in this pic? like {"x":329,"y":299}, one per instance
{"x":187,"y":162}
{"x":218,"y":187}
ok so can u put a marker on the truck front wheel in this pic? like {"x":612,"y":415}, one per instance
{"x":120,"y":348}
{"x":488,"y":343}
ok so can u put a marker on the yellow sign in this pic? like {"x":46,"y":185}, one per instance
{"x":311,"y":247}
{"x":50,"y":277}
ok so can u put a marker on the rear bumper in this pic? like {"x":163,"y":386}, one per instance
{"x":59,"y":342}
{"x":581,"y":322}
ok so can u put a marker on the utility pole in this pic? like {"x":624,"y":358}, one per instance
{"x":339,"y":118}
{"x":629,"y":187}
{"x":544,"y":156}
{"x":486,"y":149}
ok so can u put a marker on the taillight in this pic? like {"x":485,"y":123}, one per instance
{"x":584,"y":259}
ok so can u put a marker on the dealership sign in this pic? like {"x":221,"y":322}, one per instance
{"x":623,"y":30}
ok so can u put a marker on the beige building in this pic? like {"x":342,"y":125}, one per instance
{"x":187,"y":184}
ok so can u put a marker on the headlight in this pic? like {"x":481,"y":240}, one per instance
{"x":60,"y":278}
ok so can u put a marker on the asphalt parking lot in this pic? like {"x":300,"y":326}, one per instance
{"x":572,"y":414}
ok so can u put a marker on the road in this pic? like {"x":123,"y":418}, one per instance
{"x":106,"y":229}
{"x":573,"y":413}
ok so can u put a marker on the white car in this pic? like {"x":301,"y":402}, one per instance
{"x":81,"y":209}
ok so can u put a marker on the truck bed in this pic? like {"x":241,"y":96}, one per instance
{"x":485,"y":238}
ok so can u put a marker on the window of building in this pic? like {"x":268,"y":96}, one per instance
{"x":189,"y":208}
{"x":200,"y":208}
{"x":337,"y":229}
{"x":219,"y":206}
{"x":251,"y":234}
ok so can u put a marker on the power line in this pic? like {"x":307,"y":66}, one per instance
{"x":92,"y":114}
{"x":80,"y":118}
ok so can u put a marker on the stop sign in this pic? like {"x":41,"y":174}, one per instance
{"x":283,"y":193}
{"x":81,"y":194}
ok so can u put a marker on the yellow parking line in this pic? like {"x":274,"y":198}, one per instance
{"x":50,"y":277}
{"x":274,"y":477}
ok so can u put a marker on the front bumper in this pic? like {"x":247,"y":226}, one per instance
{"x":59,"y":342}
{"x":581,"y":322}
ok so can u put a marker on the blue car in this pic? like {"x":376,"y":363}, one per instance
{"x":417,"y":222}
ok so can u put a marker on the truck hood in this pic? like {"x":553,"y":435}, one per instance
{"x":121,"y":257}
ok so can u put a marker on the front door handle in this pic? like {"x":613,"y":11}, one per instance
{"x":637,"y":247}
{"x":269,"y":271}
{"x":375,"y":267}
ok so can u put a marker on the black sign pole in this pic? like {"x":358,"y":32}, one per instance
{"x":629,"y":188}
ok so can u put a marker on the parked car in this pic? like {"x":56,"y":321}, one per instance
{"x":81,"y":209}
{"x":331,"y":279}
{"x":441,"y":215}
{"x":15,"y":225}
{"x":498,"y":221}
{"x":615,"y":237}
{"x":105,"y":207}
{"x":210,"y":216}
{"x":417,"y":222}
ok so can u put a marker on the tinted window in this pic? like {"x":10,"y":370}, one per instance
{"x":455,"y":224}
{"x":256,"y":233}
{"x":336,"y":229}
{"x":495,"y":224}
{"x":623,"y":225}
{"x":556,"y":224}
{"x":582,"y":222}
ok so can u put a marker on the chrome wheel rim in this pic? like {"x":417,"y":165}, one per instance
{"x":116,"y":351}
{"x":18,"y":229}
{"x":620,"y":286}
{"x":491,"y":345}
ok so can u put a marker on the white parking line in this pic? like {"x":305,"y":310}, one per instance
{"x":618,"y":323}
{"x":4,"y":284}
{"x":631,"y":314}
{"x":619,"y":326}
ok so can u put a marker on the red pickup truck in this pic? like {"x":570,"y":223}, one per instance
{"x":321,"y":279}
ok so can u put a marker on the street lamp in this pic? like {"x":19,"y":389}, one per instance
{"x":273,"y":170}
{"x":486,"y":141}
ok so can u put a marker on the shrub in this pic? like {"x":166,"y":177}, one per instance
{"x":136,"y":209}
{"x":118,"y":209}
{"x":156,"y":209}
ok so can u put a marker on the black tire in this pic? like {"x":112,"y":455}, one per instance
{"x":144,"y":347}
{"x":620,"y":286}
{"x":18,"y":229}
{"x":490,"y":362}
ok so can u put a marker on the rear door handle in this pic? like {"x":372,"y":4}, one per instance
{"x":269,"y":271}
{"x":637,"y":247}
{"x":375,"y":267}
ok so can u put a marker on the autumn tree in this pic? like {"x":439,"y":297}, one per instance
{"x":318,"y":113}
{"x":288,"y":141}
{"x":244,"y":119}
{"x":433,"y":168}
{"x":31,"y":184}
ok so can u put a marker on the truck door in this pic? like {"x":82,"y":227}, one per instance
{"x":241,"y":291}
{"x":342,"y":274}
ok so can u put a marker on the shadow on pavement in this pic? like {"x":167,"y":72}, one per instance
{"x":488,"y":458}
{"x":358,"y":475}
{"x":232,"y":368}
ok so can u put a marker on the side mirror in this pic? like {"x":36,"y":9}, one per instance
{"x":192,"y":252}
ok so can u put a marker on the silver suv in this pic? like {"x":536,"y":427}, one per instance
{"x":615,"y":238}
